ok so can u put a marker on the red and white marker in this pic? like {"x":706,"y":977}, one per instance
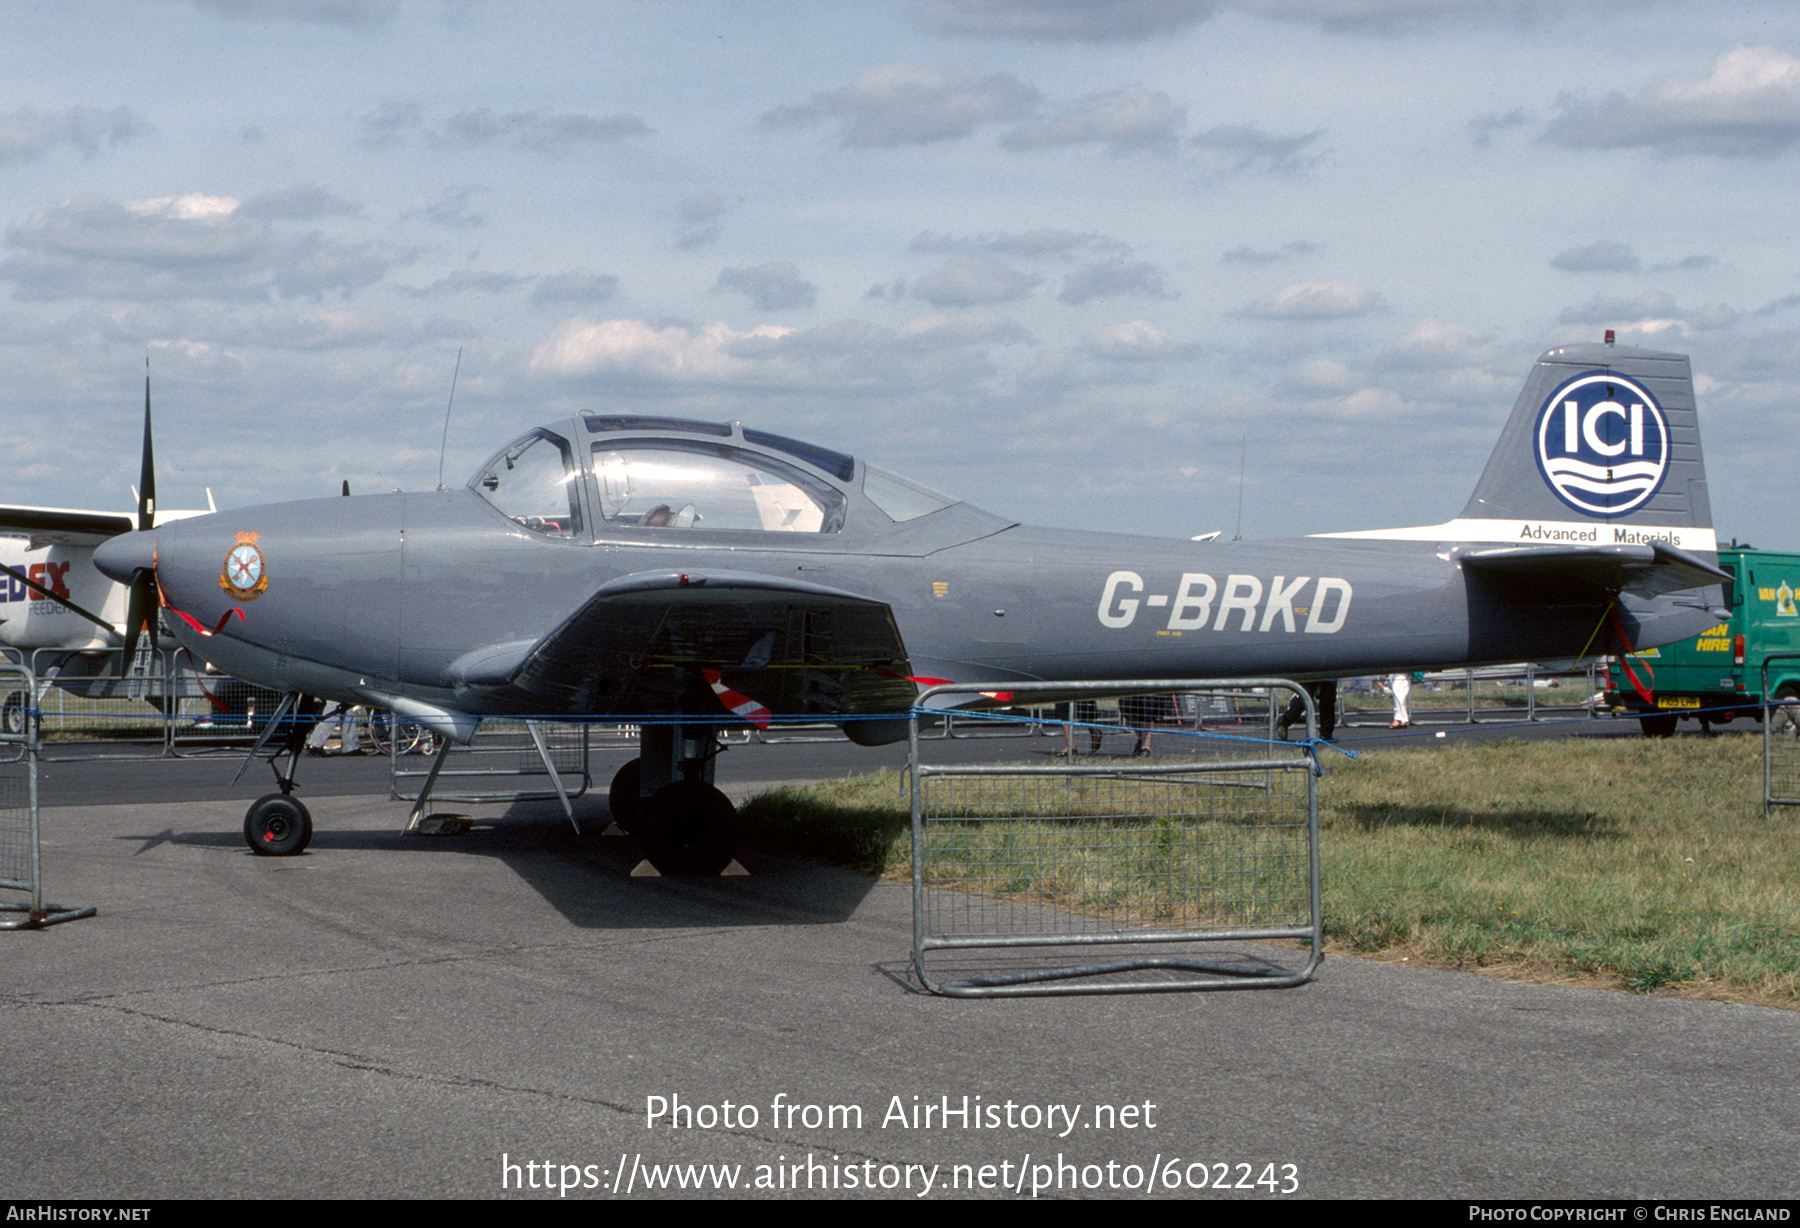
{"x":741,"y":704}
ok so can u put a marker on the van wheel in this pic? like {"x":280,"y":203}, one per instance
{"x":1658,"y":724}
{"x":1784,"y":713}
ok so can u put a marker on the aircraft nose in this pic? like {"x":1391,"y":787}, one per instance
{"x":122,"y":557}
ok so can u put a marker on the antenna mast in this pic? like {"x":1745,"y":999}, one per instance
{"x":1243,"y":454}
{"x":444,"y":443}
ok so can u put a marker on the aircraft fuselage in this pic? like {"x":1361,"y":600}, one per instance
{"x":384,"y":593}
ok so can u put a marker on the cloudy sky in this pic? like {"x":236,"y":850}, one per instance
{"x":1078,"y":262}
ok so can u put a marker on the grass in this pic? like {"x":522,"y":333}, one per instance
{"x":1642,"y":864}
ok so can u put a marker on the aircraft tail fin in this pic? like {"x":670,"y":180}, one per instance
{"x":1603,"y":448}
{"x":1601,"y":456}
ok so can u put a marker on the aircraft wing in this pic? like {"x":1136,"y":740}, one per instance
{"x":701,"y":643}
{"x":1647,"y":569}
{"x":61,"y":526}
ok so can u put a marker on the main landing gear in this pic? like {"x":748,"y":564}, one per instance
{"x":665,"y":797}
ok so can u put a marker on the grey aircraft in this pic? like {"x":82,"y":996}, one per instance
{"x":699,"y":576}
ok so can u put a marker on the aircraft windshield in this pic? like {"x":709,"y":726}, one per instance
{"x":533,"y":482}
{"x":899,"y":497}
{"x":670,"y":485}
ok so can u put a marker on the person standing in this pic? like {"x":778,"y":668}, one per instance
{"x":1400,"y":685}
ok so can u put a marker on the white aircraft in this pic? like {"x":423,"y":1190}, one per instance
{"x":57,"y":611}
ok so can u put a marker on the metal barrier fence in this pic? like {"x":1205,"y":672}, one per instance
{"x":1042,"y":867}
{"x":1469,"y":696}
{"x":21,"y":861}
{"x":1781,"y":742}
{"x":84,"y":707}
{"x":503,"y":752}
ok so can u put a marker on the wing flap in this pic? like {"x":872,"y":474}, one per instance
{"x":645,"y":643}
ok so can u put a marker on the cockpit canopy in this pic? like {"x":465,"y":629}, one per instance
{"x":650,"y":473}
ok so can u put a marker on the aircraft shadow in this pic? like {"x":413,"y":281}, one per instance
{"x":588,"y":877}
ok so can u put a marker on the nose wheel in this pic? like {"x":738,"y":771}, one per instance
{"x":277,"y":826}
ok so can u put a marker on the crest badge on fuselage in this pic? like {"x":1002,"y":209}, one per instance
{"x":1602,"y":444}
{"x":245,"y":574}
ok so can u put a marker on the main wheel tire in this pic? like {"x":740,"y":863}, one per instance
{"x":623,"y":799}
{"x":1658,"y":724}
{"x":688,"y":828}
{"x":1784,"y":714}
{"x":15,"y":713}
{"x":277,"y":826}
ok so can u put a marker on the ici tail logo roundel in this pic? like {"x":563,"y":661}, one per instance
{"x":1602,"y":444}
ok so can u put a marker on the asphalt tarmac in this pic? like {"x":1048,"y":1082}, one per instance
{"x":508,"y":1012}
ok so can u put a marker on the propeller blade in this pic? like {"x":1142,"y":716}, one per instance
{"x":147,"y":471}
{"x":135,"y":615}
{"x":144,"y":609}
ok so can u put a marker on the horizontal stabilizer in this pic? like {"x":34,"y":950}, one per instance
{"x":1647,"y":569}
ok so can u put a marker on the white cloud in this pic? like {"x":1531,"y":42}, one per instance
{"x":961,"y":328}
{"x":451,"y":209}
{"x":1748,"y":106}
{"x":701,"y":219}
{"x":1246,"y":148}
{"x":1031,"y":243}
{"x":776,"y":286}
{"x":1067,"y":20}
{"x":912,"y":104}
{"x":576,"y":286}
{"x":465,"y":281}
{"x":189,"y":246}
{"x":1436,"y":345}
{"x":969,"y":281}
{"x":328,"y":12}
{"x":667,"y":352}
{"x":26,"y":135}
{"x":1322,"y":377}
{"x":303,"y":201}
{"x":319,"y":329}
{"x":388,"y":124}
{"x":1315,"y":300}
{"x":1387,"y":15}
{"x":1247,"y":255}
{"x":837,"y":359}
{"x":1483,"y":127}
{"x":1381,"y":404}
{"x":1124,"y":121}
{"x":1600,"y":257}
{"x":1137,"y":341}
{"x":1113,"y":279}
{"x":1651,"y":312}
{"x":543,"y":131}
